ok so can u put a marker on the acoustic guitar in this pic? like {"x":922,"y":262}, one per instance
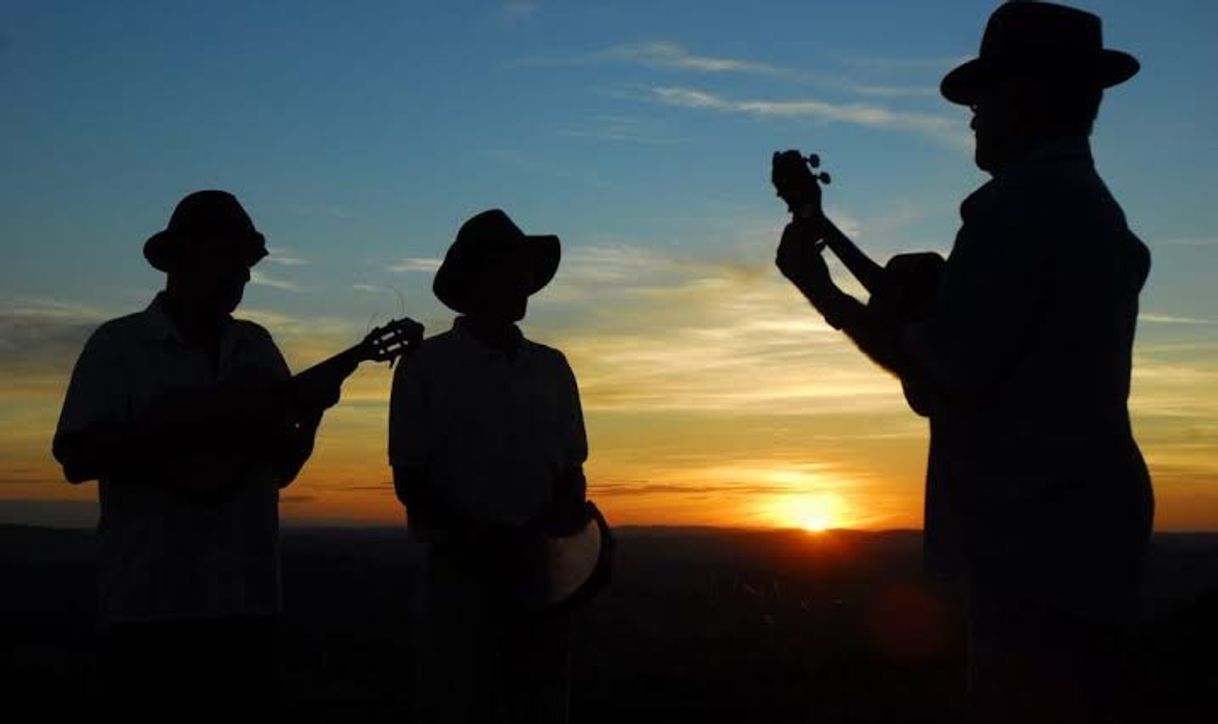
{"x":903,"y":290}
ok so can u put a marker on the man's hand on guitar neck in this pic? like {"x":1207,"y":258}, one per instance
{"x":799,"y":256}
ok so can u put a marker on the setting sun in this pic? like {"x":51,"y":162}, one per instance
{"x":814,"y":513}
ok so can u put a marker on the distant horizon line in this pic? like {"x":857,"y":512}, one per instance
{"x":633,"y":528}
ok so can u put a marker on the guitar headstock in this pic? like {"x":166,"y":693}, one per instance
{"x":388,"y":343}
{"x":797,"y":181}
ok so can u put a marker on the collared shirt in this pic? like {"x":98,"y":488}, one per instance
{"x":161,"y":554}
{"x":1034,"y":475}
{"x":490,"y":432}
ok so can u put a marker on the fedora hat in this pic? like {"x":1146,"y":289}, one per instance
{"x":1039,"y":40}
{"x":483,"y":235}
{"x":211,"y":217}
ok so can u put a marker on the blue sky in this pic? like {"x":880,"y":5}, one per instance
{"x":359,"y":135}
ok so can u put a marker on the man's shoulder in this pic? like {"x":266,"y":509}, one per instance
{"x":545,"y":352}
{"x":550,"y":359}
{"x":437,"y":345}
{"x":249,"y":329}
{"x":439,"y":351}
{"x":121,"y":329}
{"x":256,"y":338}
{"x":1058,"y":198}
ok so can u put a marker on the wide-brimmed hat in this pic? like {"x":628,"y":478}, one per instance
{"x":206,"y":217}
{"x":1039,"y":39}
{"x":492,"y":232}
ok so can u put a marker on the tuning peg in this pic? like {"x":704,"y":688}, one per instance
{"x":814,"y":160}
{"x":823,"y":177}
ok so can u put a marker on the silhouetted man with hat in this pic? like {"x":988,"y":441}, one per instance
{"x":1037,"y":495}
{"x":487,"y":444}
{"x":191,"y":423}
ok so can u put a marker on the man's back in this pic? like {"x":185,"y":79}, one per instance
{"x":1034,"y":450}
{"x":494,"y":431}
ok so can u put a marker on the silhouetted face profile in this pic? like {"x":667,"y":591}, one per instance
{"x":1015,"y":115}
{"x":1001,"y":125}
{"x":211,"y":277}
{"x":500,"y":281}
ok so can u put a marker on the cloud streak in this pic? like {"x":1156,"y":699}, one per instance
{"x":1154,"y":318}
{"x":672,"y":56}
{"x":284,"y":257}
{"x":263,"y":279}
{"x":941,"y":129}
{"x":416,"y":264}
{"x":664,"y":333}
{"x":669,"y":55}
{"x":516,"y":10}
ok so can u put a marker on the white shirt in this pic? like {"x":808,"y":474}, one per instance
{"x":490,"y":432}
{"x":162,"y":555}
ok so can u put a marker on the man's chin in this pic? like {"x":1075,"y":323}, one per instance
{"x":982,"y":160}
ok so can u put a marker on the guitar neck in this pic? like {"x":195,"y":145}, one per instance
{"x":341,"y":364}
{"x":869,"y":274}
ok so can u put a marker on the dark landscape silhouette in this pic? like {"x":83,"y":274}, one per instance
{"x":701,"y":625}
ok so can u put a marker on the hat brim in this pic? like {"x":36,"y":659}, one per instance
{"x":451,"y":285}
{"x":963,"y":84}
{"x":163,"y":248}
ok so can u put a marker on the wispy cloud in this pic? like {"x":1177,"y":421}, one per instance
{"x":333,"y":211}
{"x":897,"y":91}
{"x":666,"y":54}
{"x":669,"y":55}
{"x":1154,"y":318}
{"x":265,"y":280}
{"x":629,"y":129}
{"x":284,"y":257}
{"x":662,"y":333}
{"x":1193,"y":241}
{"x":893,"y":64}
{"x":942,"y":129}
{"x":416,"y":264}
{"x":40,"y":335}
{"x":515,"y":10}
{"x":373,"y":289}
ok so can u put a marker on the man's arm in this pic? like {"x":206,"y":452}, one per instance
{"x":565,"y":514}
{"x":991,"y":300}
{"x":801,"y":262}
{"x":255,"y":414}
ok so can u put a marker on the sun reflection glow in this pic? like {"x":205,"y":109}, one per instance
{"x":814,"y":512}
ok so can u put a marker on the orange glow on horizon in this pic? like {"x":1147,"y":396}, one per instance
{"x":814,"y":513}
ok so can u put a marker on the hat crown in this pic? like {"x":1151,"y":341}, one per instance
{"x":1023,"y":28}
{"x":209,"y":217}
{"x":490,"y":225}
{"x":486,"y":236}
{"x":211,"y":213}
{"x":1043,"y":41}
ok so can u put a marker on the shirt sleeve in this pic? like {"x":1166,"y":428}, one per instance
{"x":577,"y":447}
{"x":272,"y":358}
{"x":97,"y":393}
{"x":409,"y":411}
{"x":991,"y":295}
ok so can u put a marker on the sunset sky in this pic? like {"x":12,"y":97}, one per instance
{"x":360,"y":135}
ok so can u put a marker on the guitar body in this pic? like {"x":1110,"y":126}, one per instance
{"x":910,"y":286}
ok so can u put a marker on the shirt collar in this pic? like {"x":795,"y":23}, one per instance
{"x":461,"y":327}
{"x":159,"y":325}
{"x":1049,"y":154}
